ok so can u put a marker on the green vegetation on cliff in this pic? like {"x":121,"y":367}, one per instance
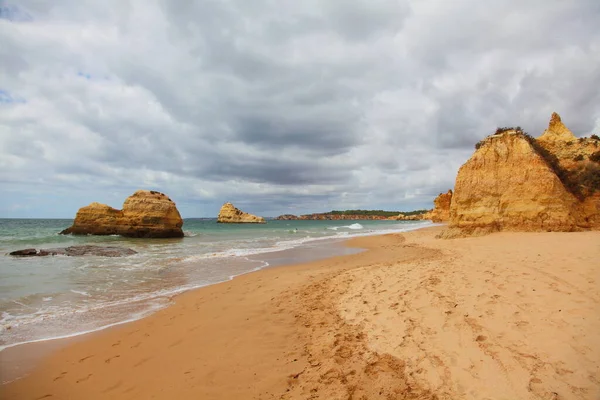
{"x":381,"y":213}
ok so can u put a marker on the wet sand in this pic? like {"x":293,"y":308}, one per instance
{"x":505,"y":316}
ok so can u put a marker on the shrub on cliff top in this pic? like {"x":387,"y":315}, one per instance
{"x":500,"y":131}
{"x":595,"y":137}
{"x":589,"y":177}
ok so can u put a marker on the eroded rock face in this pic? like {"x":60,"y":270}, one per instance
{"x":145,"y":214}
{"x":441,"y":207}
{"x":506,"y":185}
{"x":231,"y":215}
{"x":515,"y":182}
{"x":76,"y":251}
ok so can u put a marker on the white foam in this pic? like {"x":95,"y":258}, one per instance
{"x":353,"y":226}
{"x":81,"y":292}
{"x":135,"y":317}
{"x":57,"y":312}
{"x":293,"y":243}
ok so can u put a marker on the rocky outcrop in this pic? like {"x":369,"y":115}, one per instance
{"x":571,"y":153}
{"x":413,"y":217}
{"x":557,"y":131}
{"x":76,"y":251}
{"x":441,"y":207}
{"x":287,"y":217}
{"x":145,"y":214}
{"x":231,"y":215}
{"x":515,"y":182}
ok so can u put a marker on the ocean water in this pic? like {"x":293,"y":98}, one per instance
{"x":50,"y":297}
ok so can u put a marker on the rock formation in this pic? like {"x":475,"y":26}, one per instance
{"x":75,"y":251}
{"x":287,"y":217}
{"x":557,"y":131}
{"x":515,"y":182}
{"x":412,"y":217}
{"x":441,"y":207}
{"x":231,"y":215}
{"x":145,"y":214}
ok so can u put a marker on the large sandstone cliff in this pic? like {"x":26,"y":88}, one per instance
{"x":231,"y":215}
{"x":145,"y":214}
{"x":515,"y":182}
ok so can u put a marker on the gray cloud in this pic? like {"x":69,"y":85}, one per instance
{"x":278,"y":106}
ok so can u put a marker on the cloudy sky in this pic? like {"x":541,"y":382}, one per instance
{"x":280,"y":106}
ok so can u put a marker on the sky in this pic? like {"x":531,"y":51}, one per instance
{"x":279,"y":106}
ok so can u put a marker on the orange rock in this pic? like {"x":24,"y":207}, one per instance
{"x":231,"y":215}
{"x":515,"y":182}
{"x":145,"y":214}
{"x":571,"y":152}
{"x":441,"y":207}
{"x":557,"y":131}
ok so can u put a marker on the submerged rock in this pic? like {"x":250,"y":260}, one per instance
{"x":76,"y":251}
{"x":231,"y":215}
{"x":145,"y":214}
{"x":24,"y":252}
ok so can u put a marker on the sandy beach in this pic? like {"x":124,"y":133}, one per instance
{"x":504,"y":316}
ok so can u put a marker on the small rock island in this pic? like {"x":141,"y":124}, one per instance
{"x":145,"y":214}
{"x":229,"y":214}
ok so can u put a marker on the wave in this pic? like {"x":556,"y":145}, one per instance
{"x":152,"y":301}
{"x":354,"y":226}
{"x":356,"y":230}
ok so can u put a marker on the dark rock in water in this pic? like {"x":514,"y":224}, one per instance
{"x":75,"y":251}
{"x":24,"y":252}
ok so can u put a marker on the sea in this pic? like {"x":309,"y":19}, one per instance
{"x":44,"y":298}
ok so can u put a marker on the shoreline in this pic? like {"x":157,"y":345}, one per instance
{"x":410,"y":316}
{"x":271,"y":257}
{"x":25,"y":360}
{"x":26,"y":356}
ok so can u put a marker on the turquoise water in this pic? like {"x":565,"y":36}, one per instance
{"x":59,"y":296}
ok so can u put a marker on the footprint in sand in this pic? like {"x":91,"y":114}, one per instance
{"x":62,"y":375}
{"x":108,"y":360}
{"x":83,"y":379}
